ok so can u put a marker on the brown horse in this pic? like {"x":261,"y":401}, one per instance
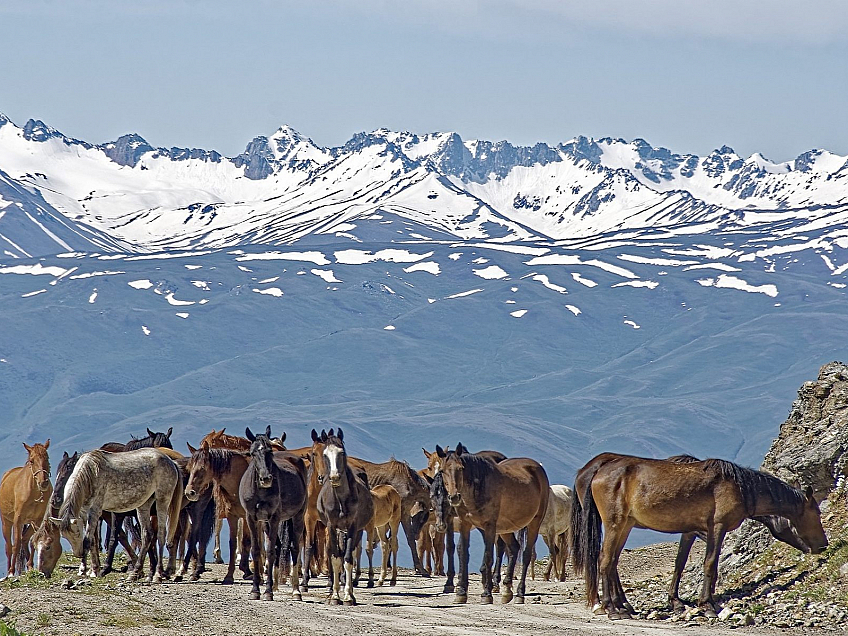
{"x":382,"y":527}
{"x":219,"y":439}
{"x":24,"y":496}
{"x":222,"y":469}
{"x":498,"y":499}
{"x":711,"y":498}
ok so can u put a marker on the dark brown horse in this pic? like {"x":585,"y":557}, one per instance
{"x":221,"y":470}
{"x":272,"y":492}
{"x":498,"y":499}
{"x":345,"y":506}
{"x":24,"y":497}
{"x":152,"y":440}
{"x":711,"y":497}
{"x":219,"y":439}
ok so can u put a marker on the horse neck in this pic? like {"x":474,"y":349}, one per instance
{"x":769,"y":505}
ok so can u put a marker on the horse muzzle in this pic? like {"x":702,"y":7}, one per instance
{"x":335,"y":480}
{"x":455,"y":500}
{"x":191,"y":494}
{"x":440,"y":527}
{"x":266,"y":482}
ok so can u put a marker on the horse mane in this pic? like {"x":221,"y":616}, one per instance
{"x":159,"y":440}
{"x":82,"y":486}
{"x":752,"y":483}
{"x":683,"y":459}
{"x":217,"y":460}
{"x":477,"y":471}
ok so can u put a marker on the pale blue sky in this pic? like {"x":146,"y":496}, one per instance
{"x":759,"y":76}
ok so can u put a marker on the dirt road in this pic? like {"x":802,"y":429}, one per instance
{"x":414,"y":607}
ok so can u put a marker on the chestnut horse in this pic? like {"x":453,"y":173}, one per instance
{"x":710,"y":497}
{"x":25,"y":493}
{"x":498,"y":499}
{"x":382,"y":527}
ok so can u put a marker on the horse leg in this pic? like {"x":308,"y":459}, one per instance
{"x":251,"y":526}
{"x":370,"y":540}
{"x":308,"y":550}
{"x":297,"y":527}
{"x":450,"y":547}
{"x":614,"y":539}
{"x":232,"y":522}
{"x":385,"y":548}
{"x":439,"y":552}
{"x":489,"y":539}
{"x":686,"y":541}
{"x":271,"y":553}
{"x":246,"y":550}
{"x":496,"y":566}
{"x":356,"y":558}
{"x":7,"y":540}
{"x":335,"y":564}
{"x":552,"y":558}
{"x":216,"y":552}
{"x":406,"y":522}
{"x":13,"y":544}
{"x":353,"y":539}
{"x":511,"y":544}
{"x":124,"y":540}
{"x":462,"y":575}
{"x":715,"y":537}
{"x":562,"y":553}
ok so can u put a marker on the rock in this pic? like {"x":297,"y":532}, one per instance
{"x":843,"y":569}
{"x":4,"y":610}
{"x":67,"y":584}
{"x":725,"y":614}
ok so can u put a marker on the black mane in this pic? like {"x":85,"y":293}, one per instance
{"x":755,"y":483}
{"x":157,"y":440}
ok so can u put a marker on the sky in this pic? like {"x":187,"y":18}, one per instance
{"x":767,"y":76}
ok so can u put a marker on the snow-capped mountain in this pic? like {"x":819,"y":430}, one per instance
{"x":129,"y":196}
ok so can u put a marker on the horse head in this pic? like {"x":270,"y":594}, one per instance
{"x":199,"y":473}
{"x":808,"y":524}
{"x":335,"y":456}
{"x":261,"y":455}
{"x":441,"y":502}
{"x":47,"y":547}
{"x":453,"y":470}
{"x":63,"y":471}
{"x":161,"y":440}
{"x":39,"y":464}
{"x":434,"y":461}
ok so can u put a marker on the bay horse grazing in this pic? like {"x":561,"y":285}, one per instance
{"x":779,"y":527}
{"x":25,"y":493}
{"x":120,"y":482}
{"x":710,"y":497}
{"x":346,"y":507}
{"x":220,"y":470}
{"x":498,"y":499}
{"x":272,"y":491}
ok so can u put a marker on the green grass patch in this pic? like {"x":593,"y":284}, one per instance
{"x":8,"y":629}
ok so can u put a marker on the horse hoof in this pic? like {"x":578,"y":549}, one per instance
{"x":228,"y":580}
{"x":194,"y":578}
{"x":507,"y":597}
{"x":304,"y":588}
{"x":496,"y":589}
{"x":333,"y":601}
{"x":248,"y":576}
{"x":296,"y":596}
{"x":350,"y":603}
{"x":710,"y":612}
{"x":448,"y":589}
{"x":253,"y":596}
{"x":619,"y":615}
{"x":178,"y":578}
{"x":267,"y":596}
{"x":519,"y":600}
{"x":370,"y":584}
{"x":486,"y":599}
{"x":461,"y":598}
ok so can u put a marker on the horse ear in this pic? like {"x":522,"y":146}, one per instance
{"x":324,"y":436}
{"x":27,"y":447}
{"x":331,"y":432}
{"x":315,"y":437}
{"x":76,"y":454}
{"x":428,"y":479}
{"x":191,"y":449}
{"x":426,"y":454}
{"x":809,"y":492}
{"x":282,"y":438}
{"x":170,"y":430}
{"x":47,"y":444}
{"x":151,"y":433}
{"x":249,"y":434}
{"x":65,"y":455}
{"x":340,"y":435}
{"x":268,"y":431}
{"x":459,"y":449}
{"x":221,"y":432}
{"x":440,"y":451}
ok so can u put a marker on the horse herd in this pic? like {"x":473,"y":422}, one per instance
{"x":299,"y":512}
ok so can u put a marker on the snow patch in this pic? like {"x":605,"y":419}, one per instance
{"x":547,"y":283}
{"x":491,"y":272}
{"x":140,"y":284}
{"x":389,"y":327}
{"x":574,"y":310}
{"x":92,"y":274}
{"x":632,"y":324}
{"x":183,"y":314}
{"x":727,"y":281}
{"x":583,"y":281}
{"x":650,"y":284}
{"x":145,"y":330}
{"x":93,"y":296}
{"x":431,"y":267}
{"x":270,"y":291}
{"x":177,"y":303}
{"x":36,"y":270}
{"x":518,"y":313}
{"x":326,"y":274}
{"x":312,"y":257}
{"x":461,"y":294}
{"x":360,"y":257}
{"x":33,"y":293}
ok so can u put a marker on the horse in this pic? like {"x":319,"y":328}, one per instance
{"x":346,"y":507}
{"x":220,"y":470}
{"x":272,"y":491}
{"x":412,"y":490}
{"x":46,"y":542}
{"x":556,"y":524}
{"x":121,"y":482}
{"x":779,"y":527}
{"x":25,"y":493}
{"x":499,"y":499}
{"x":383,"y":527}
{"x":620,"y":492}
{"x":153,"y":440}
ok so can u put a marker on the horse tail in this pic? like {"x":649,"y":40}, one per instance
{"x":590,"y":544}
{"x":207,"y":525}
{"x":175,"y":507}
{"x":575,"y":536}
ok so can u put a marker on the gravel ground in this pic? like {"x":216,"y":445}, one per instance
{"x":414,"y":607}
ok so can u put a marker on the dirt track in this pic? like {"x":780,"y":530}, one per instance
{"x":414,"y":607}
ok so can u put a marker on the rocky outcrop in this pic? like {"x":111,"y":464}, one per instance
{"x":812,"y":447}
